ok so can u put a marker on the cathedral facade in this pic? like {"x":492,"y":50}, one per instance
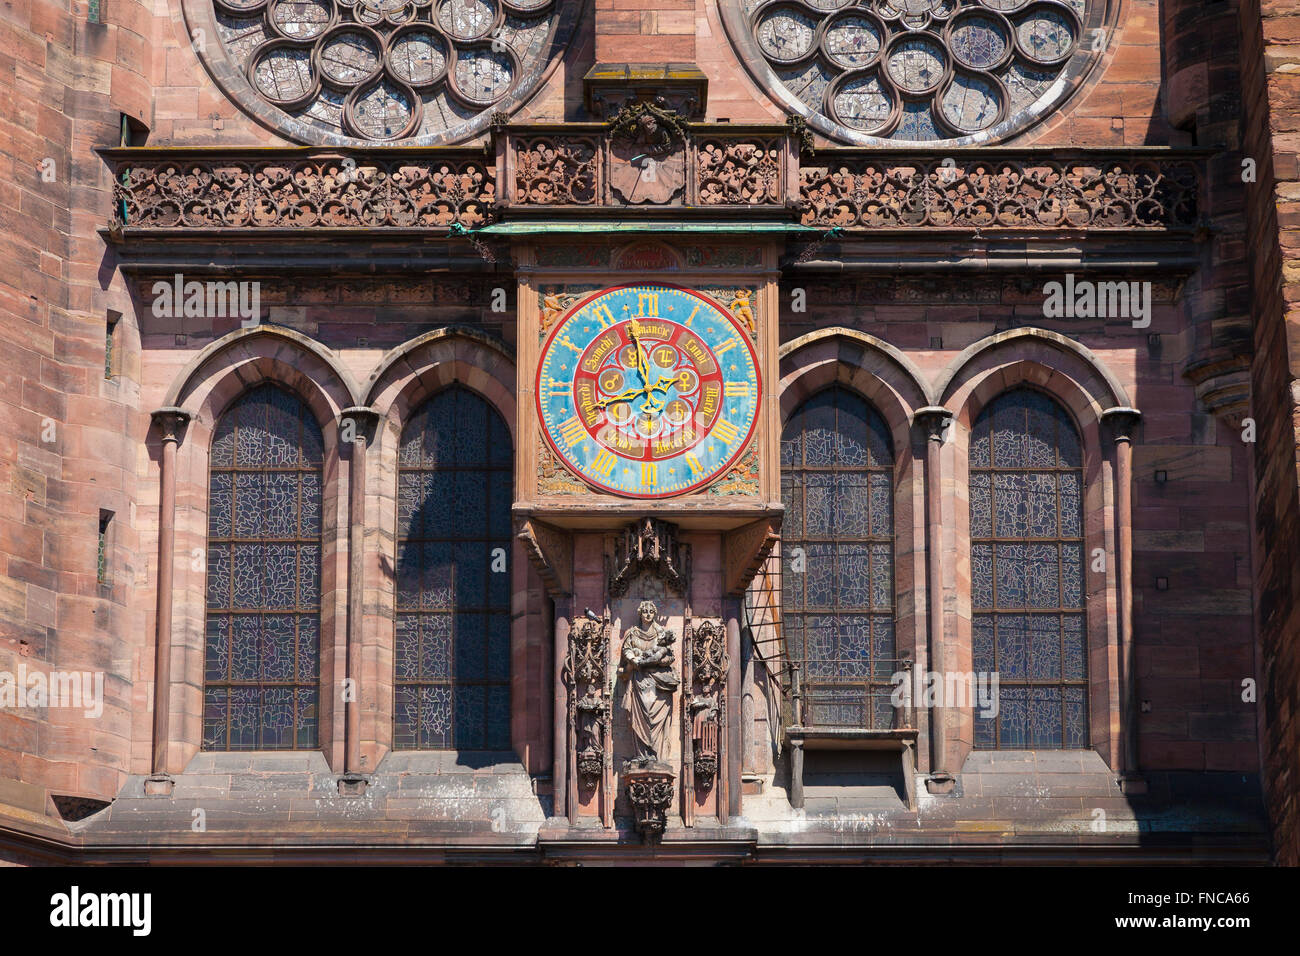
{"x":612,"y":430}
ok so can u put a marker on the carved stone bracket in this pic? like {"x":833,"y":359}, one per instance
{"x":171,"y":423}
{"x":651,"y":545}
{"x":933,"y":421}
{"x":1122,"y":422}
{"x":1223,"y":388}
{"x":745,"y":550}
{"x":550,"y":551}
{"x":586,"y":675}
{"x":650,"y":789}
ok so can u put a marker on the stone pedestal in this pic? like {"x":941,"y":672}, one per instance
{"x":650,"y":789}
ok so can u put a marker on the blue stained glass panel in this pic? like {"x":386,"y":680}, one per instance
{"x":264,"y":508}
{"x":452,"y":659}
{"x":1027,"y":571}
{"x":837,"y":486}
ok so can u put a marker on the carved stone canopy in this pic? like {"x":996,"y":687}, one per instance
{"x":611,"y":87}
{"x":649,"y":545}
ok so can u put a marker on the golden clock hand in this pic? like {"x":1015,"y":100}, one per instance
{"x":627,"y":396}
{"x":642,"y":361}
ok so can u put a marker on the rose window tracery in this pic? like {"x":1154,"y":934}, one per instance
{"x":343,"y":71}
{"x":957,"y":71}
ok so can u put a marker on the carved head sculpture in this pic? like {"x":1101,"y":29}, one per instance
{"x":646,"y":613}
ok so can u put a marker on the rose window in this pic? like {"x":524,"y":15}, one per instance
{"x":343,"y":71}
{"x":954,"y":71}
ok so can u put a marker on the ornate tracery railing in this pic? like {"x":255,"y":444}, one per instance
{"x":705,"y":171}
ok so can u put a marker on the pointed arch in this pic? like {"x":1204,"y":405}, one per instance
{"x":1051,"y":361}
{"x":226,"y":368}
{"x":870,"y":366}
{"x":212,"y":382}
{"x":453,"y":355}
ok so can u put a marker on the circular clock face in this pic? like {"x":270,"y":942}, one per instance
{"x":648,"y":391}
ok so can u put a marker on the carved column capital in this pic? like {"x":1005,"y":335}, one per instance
{"x":1122,"y":422}
{"x":933,"y":420}
{"x":171,"y":422}
{"x":363,"y":420}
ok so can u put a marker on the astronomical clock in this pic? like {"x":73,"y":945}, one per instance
{"x":648,"y":391}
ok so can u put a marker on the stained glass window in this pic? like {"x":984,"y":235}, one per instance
{"x":952,"y":71}
{"x":1027,"y":601}
{"x":262,"y":656}
{"x":451,"y":683}
{"x":837,"y":551}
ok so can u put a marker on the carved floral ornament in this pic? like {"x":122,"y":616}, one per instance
{"x":1081,"y":189}
{"x":351,"y":72}
{"x":956,"y":72}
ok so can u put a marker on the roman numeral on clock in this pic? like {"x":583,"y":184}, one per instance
{"x":726,"y":431}
{"x":725,"y":347}
{"x":694,"y":463}
{"x":572,"y":432}
{"x":649,"y":474}
{"x":556,"y":387}
{"x":602,"y":315}
{"x":565,"y":341}
{"x":648,"y":304}
{"x":736,"y":390}
{"x":604,"y":463}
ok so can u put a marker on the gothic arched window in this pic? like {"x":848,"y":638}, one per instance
{"x":1027,"y":595}
{"x":837,"y":549}
{"x":262,"y":657}
{"x":451,"y":683}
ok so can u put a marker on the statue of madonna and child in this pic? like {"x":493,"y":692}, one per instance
{"x":647,"y":664}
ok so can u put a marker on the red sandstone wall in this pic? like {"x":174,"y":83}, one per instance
{"x":1271,"y":137}
{"x":64,"y":83}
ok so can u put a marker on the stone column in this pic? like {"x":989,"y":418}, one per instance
{"x":934,"y":420}
{"x":1123,"y":423}
{"x":356,"y":429}
{"x":171,"y":424}
{"x":729,"y":773}
{"x":565,"y":804}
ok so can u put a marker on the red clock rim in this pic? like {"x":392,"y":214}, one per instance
{"x":707,"y":300}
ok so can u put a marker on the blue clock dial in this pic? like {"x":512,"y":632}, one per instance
{"x":648,"y":391}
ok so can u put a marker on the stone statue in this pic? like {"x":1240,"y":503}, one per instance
{"x":646,"y":664}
